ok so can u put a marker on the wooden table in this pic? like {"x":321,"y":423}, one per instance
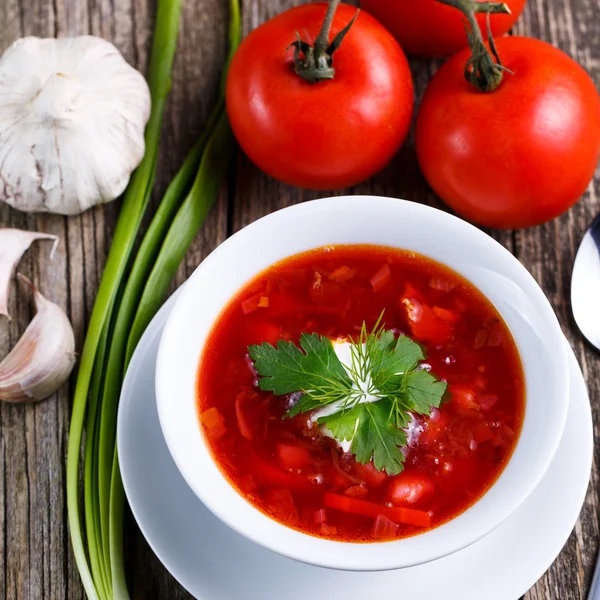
{"x":35,"y":553}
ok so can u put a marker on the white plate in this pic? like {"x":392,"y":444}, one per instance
{"x":214,"y":563}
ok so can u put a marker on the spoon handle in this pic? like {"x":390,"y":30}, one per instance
{"x":595,"y":588}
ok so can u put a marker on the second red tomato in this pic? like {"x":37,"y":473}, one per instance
{"x":326,"y":135}
{"x":430,"y":28}
{"x":520,"y":155}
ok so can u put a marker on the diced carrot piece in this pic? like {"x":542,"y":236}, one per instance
{"x":381,"y":278}
{"x":407,"y":516}
{"x":352,"y":505}
{"x":214,"y":423}
{"x":294,"y":457}
{"x":342,"y":274}
{"x":445,"y":314}
{"x":251,"y":304}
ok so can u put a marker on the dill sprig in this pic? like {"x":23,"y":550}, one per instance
{"x":374,"y":396}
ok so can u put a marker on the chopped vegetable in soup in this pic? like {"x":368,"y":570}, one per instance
{"x":360,"y":393}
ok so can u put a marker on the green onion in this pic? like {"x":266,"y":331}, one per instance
{"x":219,"y":146}
{"x":126,"y":305}
{"x":213,"y":167}
{"x":185,"y":226}
{"x":134,"y":204}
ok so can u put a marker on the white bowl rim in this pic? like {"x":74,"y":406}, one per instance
{"x":250,"y":521}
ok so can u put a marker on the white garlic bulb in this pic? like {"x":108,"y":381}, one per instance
{"x":72,"y":118}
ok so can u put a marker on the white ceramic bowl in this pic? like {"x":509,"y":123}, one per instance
{"x":365,"y":220}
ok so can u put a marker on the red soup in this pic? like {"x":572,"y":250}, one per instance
{"x":398,"y":412}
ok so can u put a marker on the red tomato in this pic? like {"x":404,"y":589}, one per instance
{"x":294,"y":457}
{"x":410,"y":487}
{"x":369,"y":474}
{"x":326,"y":135}
{"x":429,"y":28}
{"x":520,"y":155}
{"x":424,"y":324}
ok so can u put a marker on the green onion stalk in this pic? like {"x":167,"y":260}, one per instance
{"x":126,"y":304}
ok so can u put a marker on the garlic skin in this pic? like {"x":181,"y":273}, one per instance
{"x":13,"y":244}
{"x":72,"y":119}
{"x":44,"y":356}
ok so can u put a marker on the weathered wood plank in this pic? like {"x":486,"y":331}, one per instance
{"x":548,"y":252}
{"x":35,"y":549}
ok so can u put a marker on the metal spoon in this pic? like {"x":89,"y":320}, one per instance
{"x":585,"y":286}
{"x":585,"y":301}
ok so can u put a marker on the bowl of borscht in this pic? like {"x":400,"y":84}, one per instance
{"x":362,"y":383}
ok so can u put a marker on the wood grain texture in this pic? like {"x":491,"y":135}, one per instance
{"x":35,"y":554}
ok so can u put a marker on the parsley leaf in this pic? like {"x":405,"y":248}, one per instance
{"x":286,"y":368}
{"x":343,"y":424}
{"x":392,"y":358}
{"x":375,"y":396}
{"x":372,"y":433}
{"x":424,"y":391}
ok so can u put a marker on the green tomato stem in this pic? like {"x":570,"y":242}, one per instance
{"x":315,"y":63}
{"x":322,"y":41}
{"x":484,"y":69}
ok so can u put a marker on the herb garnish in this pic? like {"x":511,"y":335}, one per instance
{"x":374,"y":395}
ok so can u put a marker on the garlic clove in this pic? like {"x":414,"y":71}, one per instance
{"x":13,"y":244}
{"x":44,"y":356}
